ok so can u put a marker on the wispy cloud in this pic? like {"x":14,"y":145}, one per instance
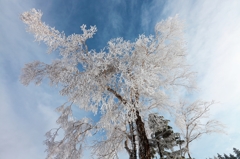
{"x":26,"y":113}
{"x":212,"y":33}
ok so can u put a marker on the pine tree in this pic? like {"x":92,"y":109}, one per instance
{"x":237,"y":152}
{"x":163,"y":139}
{"x":226,"y":156}
{"x":220,"y":157}
{"x":231,"y":156}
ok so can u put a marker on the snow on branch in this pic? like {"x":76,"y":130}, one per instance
{"x":75,"y":136}
{"x":122,"y":83}
{"x":193,"y":120}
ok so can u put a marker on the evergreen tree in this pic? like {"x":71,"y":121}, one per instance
{"x":220,"y":157}
{"x":237,"y":152}
{"x":231,"y":156}
{"x":226,"y":156}
{"x":163,"y":139}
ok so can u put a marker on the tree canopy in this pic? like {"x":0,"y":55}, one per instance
{"x":122,"y":84}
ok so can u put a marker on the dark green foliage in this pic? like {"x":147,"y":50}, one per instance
{"x":163,"y":139}
{"x":220,"y":157}
{"x":237,"y":152}
{"x":231,"y":156}
{"x":226,"y":156}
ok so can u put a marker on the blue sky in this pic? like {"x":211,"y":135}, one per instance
{"x":212,"y":36}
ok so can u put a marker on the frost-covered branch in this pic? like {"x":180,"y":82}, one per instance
{"x":193,"y":121}
{"x":122,"y":83}
{"x":75,"y":135}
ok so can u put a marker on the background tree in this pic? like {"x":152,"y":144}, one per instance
{"x":214,"y":158}
{"x":163,"y":139}
{"x":220,"y":156}
{"x":237,"y":152}
{"x":226,"y":156}
{"x":191,"y":119}
{"x":121,"y":83}
{"x":231,"y":156}
{"x":236,"y":155}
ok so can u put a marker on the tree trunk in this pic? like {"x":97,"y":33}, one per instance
{"x":159,"y":150}
{"x":188,"y":151}
{"x":144,"y":148}
{"x":133,"y":154}
{"x":189,"y":156}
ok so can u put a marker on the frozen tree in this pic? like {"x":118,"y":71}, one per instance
{"x":120,"y":83}
{"x":163,"y":139}
{"x":193,"y":121}
{"x":76,"y":132}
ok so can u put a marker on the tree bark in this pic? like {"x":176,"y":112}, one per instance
{"x":144,"y":148}
{"x":133,"y":154}
{"x":189,"y":156}
{"x":188,"y":151}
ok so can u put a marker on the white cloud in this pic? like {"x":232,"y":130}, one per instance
{"x":24,"y":117}
{"x":213,"y":35}
{"x":26,"y":113}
